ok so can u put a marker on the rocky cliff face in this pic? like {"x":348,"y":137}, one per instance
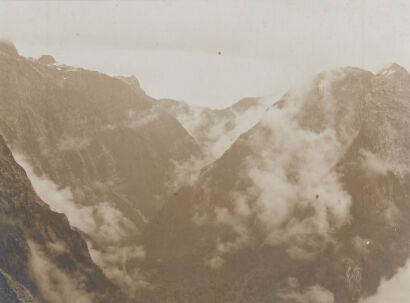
{"x":310,"y":205}
{"x":96,"y":148}
{"x":42,"y":259}
{"x":91,"y":133}
{"x":100,"y":150}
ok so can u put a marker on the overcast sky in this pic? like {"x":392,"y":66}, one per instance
{"x":173,"y":47}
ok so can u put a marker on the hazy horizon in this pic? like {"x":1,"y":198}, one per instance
{"x":180,"y":49}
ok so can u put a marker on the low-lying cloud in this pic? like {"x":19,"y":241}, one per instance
{"x":296,"y":195}
{"x":139,"y":119}
{"x":312,"y":294}
{"x":374,"y":165}
{"x":186,"y":172}
{"x":109,"y":233}
{"x":217,"y":130}
{"x":55,"y":285}
{"x":243,"y":237}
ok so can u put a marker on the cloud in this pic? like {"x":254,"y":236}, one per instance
{"x":237,"y":221}
{"x":312,"y":294}
{"x":224,"y":217}
{"x":199,"y":218}
{"x":374,"y":165}
{"x":59,"y":199}
{"x":139,"y":119}
{"x":57,"y":247}
{"x":395,"y":289}
{"x":55,"y":285}
{"x":109,"y":233}
{"x":116,"y":261}
{"x":295,"y":174}
{"x":216,"y":131}
{"x":216,"y":262}
{"x":185,"y":172}
{"x":296,"y":195}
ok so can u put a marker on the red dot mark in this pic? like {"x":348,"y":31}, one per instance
{"x":337,"y":164}
{"x":338,"y":201}
{"x":317,"y":196}
{"x":219,"y":53}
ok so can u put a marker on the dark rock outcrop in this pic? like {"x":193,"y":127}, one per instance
{"x":40,"y":253}
{"x":47,"y":59}
{"x":8,"y":48}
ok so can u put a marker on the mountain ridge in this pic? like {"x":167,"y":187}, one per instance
{"x":348,"y":113}
{"x":292,"y":200}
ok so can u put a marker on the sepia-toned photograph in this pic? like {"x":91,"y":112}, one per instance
{"x":205,"y":151}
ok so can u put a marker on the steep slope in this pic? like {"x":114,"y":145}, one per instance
{"x":42,"y":259}
{"x":12,"y":291}
{"x":310,"y":205}
{"x":96,"y":143}
{"x":83,"y":129}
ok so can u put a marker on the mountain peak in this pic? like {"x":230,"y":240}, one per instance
{"x":245,"y":103}
{"x":8,"y":48}
{"x":132,"y":81}
{"x":47,"y":59}
{"x":393,"y":68}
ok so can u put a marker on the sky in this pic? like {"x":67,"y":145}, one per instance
{"x":212,"y":53}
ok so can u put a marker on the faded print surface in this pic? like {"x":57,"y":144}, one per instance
{"x":204,"y":152}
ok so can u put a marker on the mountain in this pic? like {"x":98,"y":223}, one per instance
{"x":98,"y":149}
{"x":215,"y":130}
{"x":42,"y":258}
{"x":310,"y":205}
{"x":301,"y":199}
{"x":84,"y":129}
{"x":95,"y":149}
